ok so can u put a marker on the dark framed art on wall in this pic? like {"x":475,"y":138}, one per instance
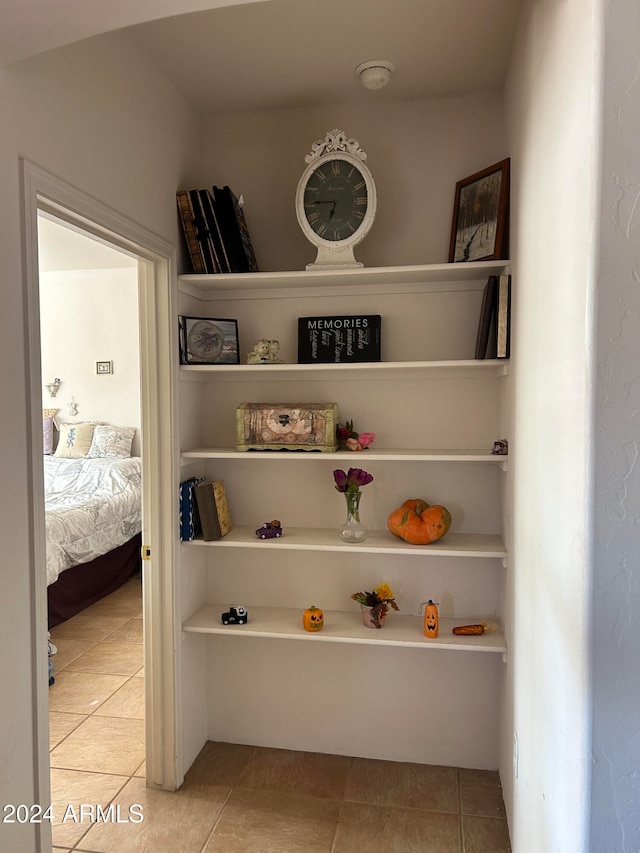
{"x":208,"y":340}
{"x":480,"y":229}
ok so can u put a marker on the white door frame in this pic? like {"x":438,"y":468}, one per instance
{"x":158,"y":357}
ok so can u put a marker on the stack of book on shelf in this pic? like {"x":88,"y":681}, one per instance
{"x":494,"y":328}
{"x":216,"y":231}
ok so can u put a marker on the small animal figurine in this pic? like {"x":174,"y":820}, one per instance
{"x":274,"y":349}
{"x":500,"y":447}
{"x":260,"y":352}
{"x":265,"y":351}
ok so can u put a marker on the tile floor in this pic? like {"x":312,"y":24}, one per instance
{"x":235,"y":799}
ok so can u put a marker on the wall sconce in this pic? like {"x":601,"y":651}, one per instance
{"x":53,"y":386}
{"x":72,"y":407}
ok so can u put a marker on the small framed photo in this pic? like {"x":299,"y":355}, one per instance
{"x":208,"y":340}
{"x":480,"y":230}
{"x":103,"y":367}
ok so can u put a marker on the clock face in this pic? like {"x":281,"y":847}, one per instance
{"x":335,"y":199}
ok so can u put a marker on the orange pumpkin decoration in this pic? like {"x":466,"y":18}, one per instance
{"x":431,"y":621}
{"x":313,"y":619}
{"x":418,"y":523}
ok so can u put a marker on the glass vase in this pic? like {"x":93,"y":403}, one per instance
{"x":353,"y":530}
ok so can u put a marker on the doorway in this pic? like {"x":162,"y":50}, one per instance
{"x":90,"y":346}
{"x":43,"y":192}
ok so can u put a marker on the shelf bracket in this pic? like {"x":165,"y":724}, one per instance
{"x":505,"y":562}
{"x":504,"y":657}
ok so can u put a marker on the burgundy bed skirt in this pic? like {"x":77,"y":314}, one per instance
{"x":83,"y":585}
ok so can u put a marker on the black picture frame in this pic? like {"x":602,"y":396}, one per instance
{"x":208,"y":340}
{"x":480,"y":228}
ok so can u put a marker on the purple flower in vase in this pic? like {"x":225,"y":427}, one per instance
{"x":353,"y":480}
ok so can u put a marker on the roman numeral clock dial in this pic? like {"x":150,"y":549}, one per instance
{"x":335,"y":200}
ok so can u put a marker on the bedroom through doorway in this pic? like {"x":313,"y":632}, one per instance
{"x":90,"y":365}
{"x":154,"y":256}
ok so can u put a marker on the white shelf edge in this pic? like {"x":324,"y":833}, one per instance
{"x":345,"y":627}
{"x":288,"y":279}
{"x":483,"y":545}
{"x":382,"y":369}
{"x":372,"y":454}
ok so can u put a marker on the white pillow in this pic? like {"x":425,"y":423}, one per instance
{"x":75,"y":440}
{"x":111,"y":441}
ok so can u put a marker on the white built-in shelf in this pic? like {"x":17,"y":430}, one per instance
{"x":459,"y":275}
{"x":462,"y":368}
{"x":377,"y":542}
{"x":345,"y":627}
{"x":371,"y":454}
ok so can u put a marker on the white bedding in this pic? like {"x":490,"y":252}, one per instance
{"x":92,"y":506}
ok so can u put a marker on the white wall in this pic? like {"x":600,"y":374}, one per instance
{"x":89,"y":316}
{"x":552,"y":125}
{"x":615,"y":797}
{"x":100,"y":117}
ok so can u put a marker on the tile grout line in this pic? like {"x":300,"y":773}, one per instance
{"x":343,"y":803}
{"x":210,"y":834}
{"x":227,"y":798}
{"x":460,"y":827}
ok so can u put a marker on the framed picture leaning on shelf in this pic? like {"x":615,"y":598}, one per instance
{"x":207,"y":340}
{"x":480,"y":229}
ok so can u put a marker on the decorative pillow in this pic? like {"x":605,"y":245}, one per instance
{"x":75,"y":440}
{"x":111,"y":441}
{"x":47,"y":435}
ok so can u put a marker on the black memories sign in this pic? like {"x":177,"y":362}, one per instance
{"x":339,"y":340}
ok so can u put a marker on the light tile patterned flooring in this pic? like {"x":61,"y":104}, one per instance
{"x":235,"y":799}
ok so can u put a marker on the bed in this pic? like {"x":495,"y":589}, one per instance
{"x":93,"y":518}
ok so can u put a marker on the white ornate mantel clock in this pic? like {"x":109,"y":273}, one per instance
{"x":335,"y":200}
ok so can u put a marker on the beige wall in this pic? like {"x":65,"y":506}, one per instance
{"x":416,"y":151}
{"x":101,"y":118}
{"x":552,"y":121}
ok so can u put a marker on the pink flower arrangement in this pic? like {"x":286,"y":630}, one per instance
{"x":352,"y":440}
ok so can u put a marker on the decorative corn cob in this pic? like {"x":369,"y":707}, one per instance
{"x":467,"y":630}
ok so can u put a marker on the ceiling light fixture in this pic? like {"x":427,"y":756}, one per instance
{"x":375,"y":73}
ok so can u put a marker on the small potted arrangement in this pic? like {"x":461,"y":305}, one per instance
{"x":375,"y":605}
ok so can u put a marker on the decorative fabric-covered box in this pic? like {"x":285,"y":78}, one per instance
{"x":287,"y":426}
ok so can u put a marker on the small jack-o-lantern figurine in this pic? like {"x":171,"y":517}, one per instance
{"x":313,"y":619}
{"x":431,"y":620}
